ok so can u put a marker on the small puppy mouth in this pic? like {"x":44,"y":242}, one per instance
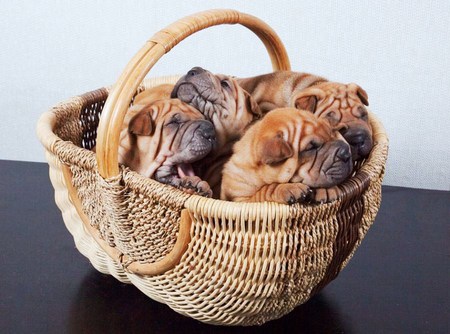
{"x":337,"y":172}
{"x":185,"y":169}
{"x":169,"y":173}
{"x":339,"y":169}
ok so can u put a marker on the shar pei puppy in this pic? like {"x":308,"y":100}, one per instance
{"x":162,"y":140}
{"x":229,"y":107}
{"x":341,"y":104}
{"x":284,"y":157}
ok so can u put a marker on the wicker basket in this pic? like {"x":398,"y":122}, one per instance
{"x":216,"y":261}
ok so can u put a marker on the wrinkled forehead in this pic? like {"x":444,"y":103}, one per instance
{"x":341,"y":92}
{"x":319,"y":128}
{"x":294,"y":121}
{"x":164,"y":109}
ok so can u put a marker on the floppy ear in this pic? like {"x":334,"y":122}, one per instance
{"x":307,"y":102}
{"x":275,"y":149}
{"x":142,"y":124}
{"x":362,"y":94}
{"x":251,"y":105}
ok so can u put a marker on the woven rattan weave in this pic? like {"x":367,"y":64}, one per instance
{"x":216,"y":261}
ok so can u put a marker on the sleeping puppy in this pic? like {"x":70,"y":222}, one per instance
{"x":229,"y":107}
{"x":153,"y":94}
{"x":219,"y":97}
{"x":338,"y":103}
{"x":161,"y":141}
{"x":283,"y":156}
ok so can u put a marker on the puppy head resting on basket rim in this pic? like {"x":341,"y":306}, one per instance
{"x":162,"y":139}
{"x":280,"y":157}
{"x":343,"y":104}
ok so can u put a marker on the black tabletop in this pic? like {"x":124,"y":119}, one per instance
{"x":397,"y":281}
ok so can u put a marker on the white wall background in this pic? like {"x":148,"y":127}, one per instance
{"x":398,"y":51}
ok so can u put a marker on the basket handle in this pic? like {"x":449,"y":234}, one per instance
{"x":162,"y":42}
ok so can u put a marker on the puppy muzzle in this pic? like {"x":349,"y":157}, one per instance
{"x":340,"y":166}
{"x":360,"y":141}
{"x":202,"y":142}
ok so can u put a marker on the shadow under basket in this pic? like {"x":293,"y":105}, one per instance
{"x":216,"y":261}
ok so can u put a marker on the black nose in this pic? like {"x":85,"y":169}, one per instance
{"x":355,"y":137}
{"x":207,"y":130}
{"x":195,"y":71}
{"x":344,"y":153}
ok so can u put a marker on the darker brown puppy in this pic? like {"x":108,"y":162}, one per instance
{"x":162,"y":140}
{"x":229,"y":107}
{"x":339,"y":103}
{"x":283,"y":156}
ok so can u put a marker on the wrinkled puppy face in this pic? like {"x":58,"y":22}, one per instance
{"x":177,"y":135}
{"x":344,"y":106}
{"x":220,"y":99}
{"x":297,"y":147}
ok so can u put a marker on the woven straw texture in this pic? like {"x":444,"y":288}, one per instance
{"x":216,"y":261}
{"x":246,"y":263}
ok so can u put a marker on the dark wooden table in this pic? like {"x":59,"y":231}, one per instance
{"x":397,"y":282}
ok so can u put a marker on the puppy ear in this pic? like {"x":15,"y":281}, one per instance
{"x":274,"y":150}
{"x":142,"y":124}
{"x":362,"y":94}
{"x":251,"y":105}
{"x":306,"y":102}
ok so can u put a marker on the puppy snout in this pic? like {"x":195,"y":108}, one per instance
{"x":355,"y":137}
{"x":344,"y":153}
{"x":207,"y":130}
{"x":195,"y":71}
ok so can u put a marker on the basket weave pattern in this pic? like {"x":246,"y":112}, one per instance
{"x":246,"y":262}
{"x":216,"y":261}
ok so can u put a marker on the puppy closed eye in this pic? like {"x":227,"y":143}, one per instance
{"x":363,"y":113}
{"x":175,"y":120}
{"x":225,"y":84}
{"x":312,"y":146}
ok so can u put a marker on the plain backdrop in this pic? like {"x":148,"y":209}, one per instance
{"x":397,"y":50}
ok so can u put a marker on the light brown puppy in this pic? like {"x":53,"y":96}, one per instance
{"x":162,"y":140}
{"x":283,"y":156}
{"x":229,"y":107}
{"x":339,"y":103}
{"x":153,"y":94}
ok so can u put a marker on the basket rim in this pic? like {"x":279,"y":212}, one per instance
{"x":369,"y":170}
{"x":197,"y":206}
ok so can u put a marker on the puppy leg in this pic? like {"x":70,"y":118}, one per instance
{"x":285,"y":193}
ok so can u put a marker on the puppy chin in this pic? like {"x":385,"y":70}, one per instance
{"x":338,"y":173}
{"x":333,"y":175}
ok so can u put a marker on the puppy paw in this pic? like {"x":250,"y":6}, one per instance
{"x":290,"y":193}
{"x":325,"y":195}
{"x":194,"y":184}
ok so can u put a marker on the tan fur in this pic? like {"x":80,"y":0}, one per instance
{"x":274,"y":160}
{"x":153,"y":94}
{"x":275,"y":90}
{"x":231,"y":112}
{"x":144,"y":154}
{"x":343,"y":105}
{"x":242,"y":112}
